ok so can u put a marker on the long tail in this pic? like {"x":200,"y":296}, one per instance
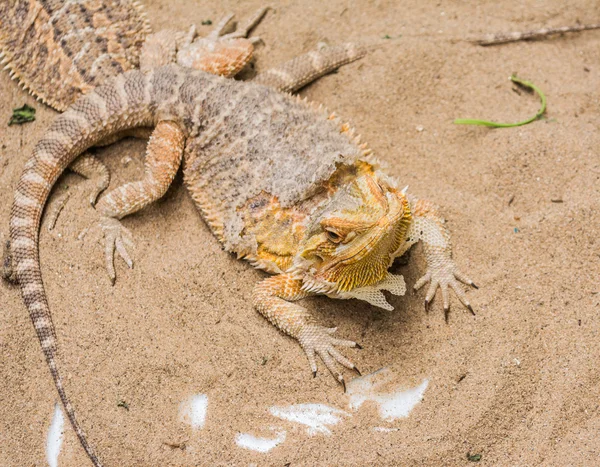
{"x":120,"y":104}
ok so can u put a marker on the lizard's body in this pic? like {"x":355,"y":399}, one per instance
{"x":335,"y":229}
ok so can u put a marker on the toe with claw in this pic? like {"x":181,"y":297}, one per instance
{"x":445,"y":277}
{"x":318,"y":340}
{"x":117,"y":238}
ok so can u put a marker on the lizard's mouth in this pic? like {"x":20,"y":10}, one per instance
{"x":366,"y":263}
{"x":359,"y":266}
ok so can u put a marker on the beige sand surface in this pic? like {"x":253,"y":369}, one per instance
{"x":518,"y":383}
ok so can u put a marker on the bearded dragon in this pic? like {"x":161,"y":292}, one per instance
{"x":281,"y":183}
{"x":61,"y":50}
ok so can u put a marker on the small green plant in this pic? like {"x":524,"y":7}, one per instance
{"x":520,"y":82}
{"x":22,"y":115}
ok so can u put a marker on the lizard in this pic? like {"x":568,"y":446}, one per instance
{"x":280,"y":182}
{"x":60,"y":50}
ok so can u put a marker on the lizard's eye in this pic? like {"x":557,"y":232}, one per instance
{"x":334,"y":236}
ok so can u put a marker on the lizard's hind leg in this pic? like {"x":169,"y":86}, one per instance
{"x":243,"y":31}
{"x":219,"y":54}
{"x":92,"y":168}
{"x":163,"y":158}
{"x":300,"y":71}
{"x":220,"y":28}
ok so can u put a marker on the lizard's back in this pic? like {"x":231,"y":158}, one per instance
{"x":251,"y":139}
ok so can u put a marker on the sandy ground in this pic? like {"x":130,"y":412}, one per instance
{"x":517,"y":383}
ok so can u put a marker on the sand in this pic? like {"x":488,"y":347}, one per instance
{"x":517,"y":383}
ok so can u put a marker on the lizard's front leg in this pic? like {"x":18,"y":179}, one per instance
{"x":272,"y":297}
{"x":163,"y":158}
{"x":429,"y":227}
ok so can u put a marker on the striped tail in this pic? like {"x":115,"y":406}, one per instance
{"x":120,"y":104}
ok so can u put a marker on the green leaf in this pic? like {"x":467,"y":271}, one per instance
{"x":473,"y":457}
{"x":206,"y":22}
{"x":22,"y":115}
{"x":526,"y":84}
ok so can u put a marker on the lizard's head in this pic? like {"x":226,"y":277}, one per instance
{"x":351,"y":244}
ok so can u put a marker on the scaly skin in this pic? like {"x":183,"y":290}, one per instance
{"x":279,"y":181}
{"x":298,"y":72}
{"x":60,"y":49}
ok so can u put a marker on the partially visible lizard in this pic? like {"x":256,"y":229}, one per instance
{"x":280,"y":182}
{"x":59,"y":50}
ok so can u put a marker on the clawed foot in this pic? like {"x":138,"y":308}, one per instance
{"x":99,"y":187}
{"x":445,"y":277}
{"x":318,"y":340}
{"x":117,"y":237}
{"x":218,"y":33}
{"x":61,"y":202}
{"x":220,"y":53}
{"x":56,"y":208}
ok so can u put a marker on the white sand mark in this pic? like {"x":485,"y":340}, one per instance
{"x":55,"y":436}
{"x":394,"y":402}
{"x":254,"y":443}
{"x":193,"y":411}
{"x":315,"y":416}
{"x":385,"y":429}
